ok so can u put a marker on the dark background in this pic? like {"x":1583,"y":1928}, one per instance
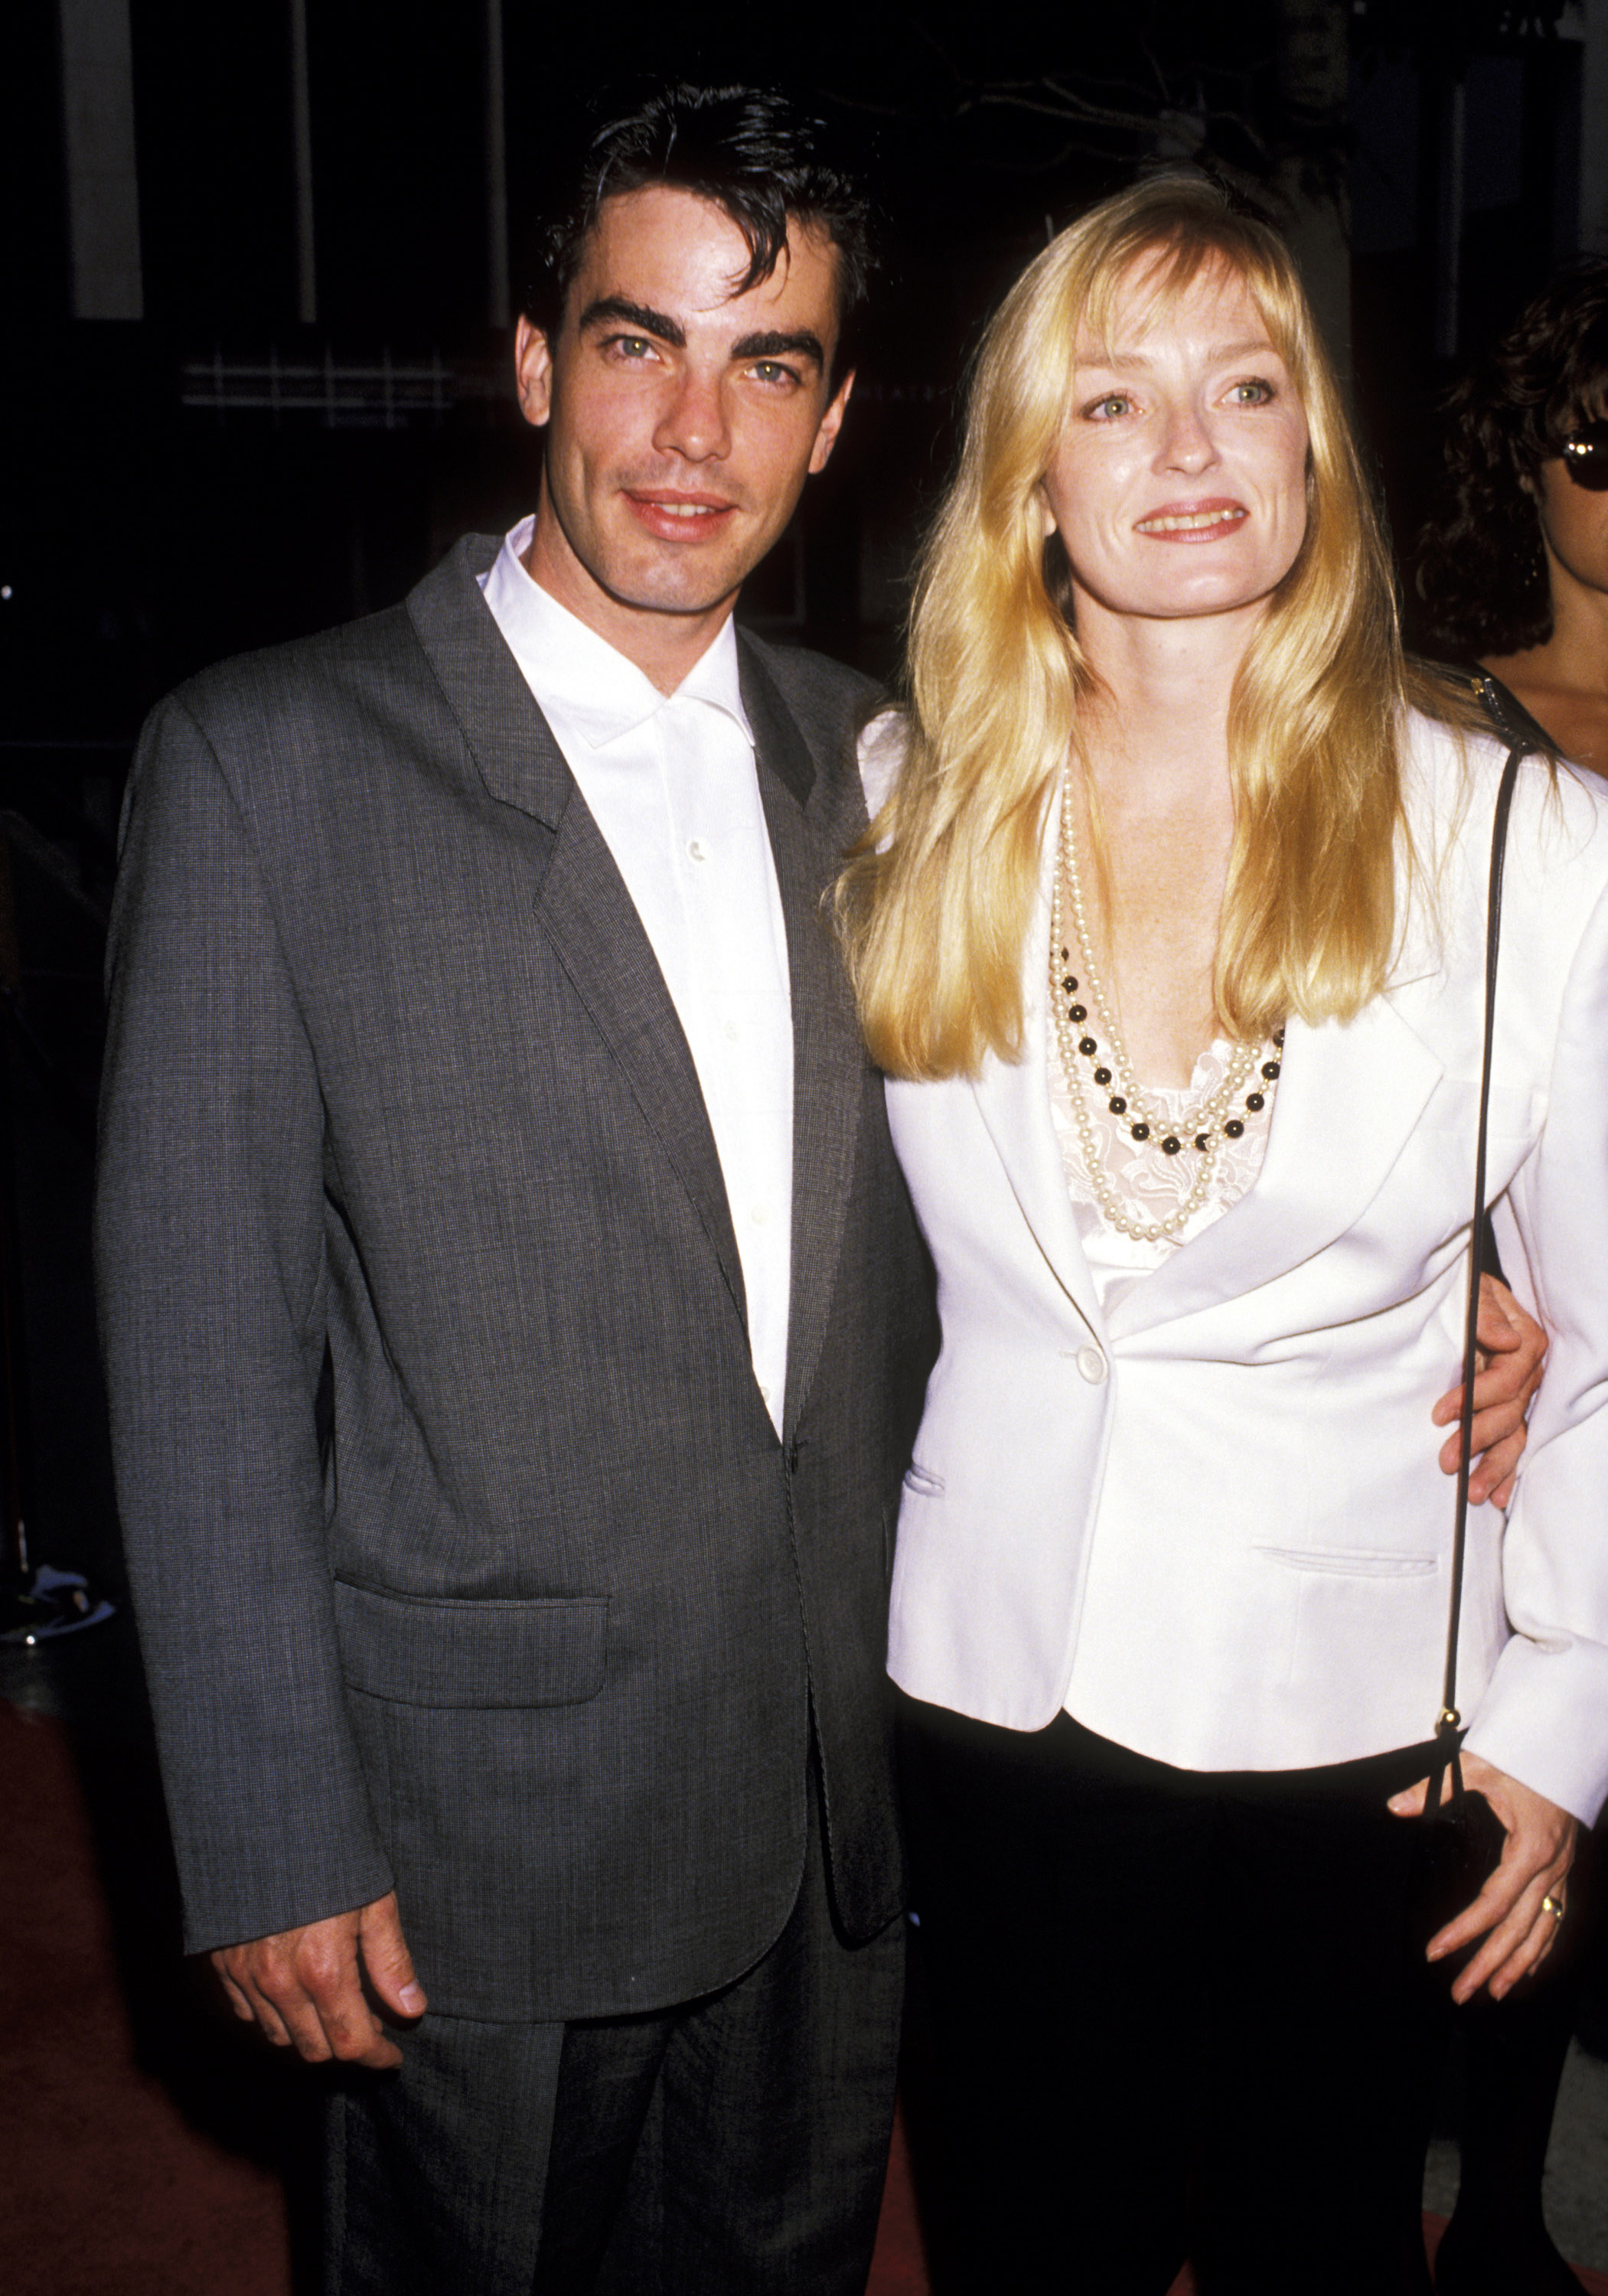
{"x":156,"y":519}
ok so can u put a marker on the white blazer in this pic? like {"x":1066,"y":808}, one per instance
{"x":1214,"y":1526}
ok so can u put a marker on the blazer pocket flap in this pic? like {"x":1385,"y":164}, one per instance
{"x":452,"y":1651}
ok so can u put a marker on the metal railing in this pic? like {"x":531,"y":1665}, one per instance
{"x":388,"y":395}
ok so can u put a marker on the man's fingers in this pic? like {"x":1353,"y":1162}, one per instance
{"x":304,"y":1987}
{"x":327,"y":1975}
{"x":233,"y":1995}
{"x":265,"y":2014}
{"x":386,"y":1959}
{"x":1513,"y":1351}
{"x":1514,"y":1343}
{"x":263,"y":1974}
{"x":1497,"y":1467}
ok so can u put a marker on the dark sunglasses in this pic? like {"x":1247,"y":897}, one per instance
{"x":1586,"y":458}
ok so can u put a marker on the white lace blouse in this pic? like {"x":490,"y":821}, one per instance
{"x":1150,"y":1187}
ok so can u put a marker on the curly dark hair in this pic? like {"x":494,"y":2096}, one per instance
{"x":1482,"y":570}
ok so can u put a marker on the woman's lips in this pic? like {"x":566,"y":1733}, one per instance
{"x":1196,"y":521}
{"x":681,"y":517}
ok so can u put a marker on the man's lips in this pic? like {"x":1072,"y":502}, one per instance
{"x":675,"y":516}
{"x":1193,"y":522}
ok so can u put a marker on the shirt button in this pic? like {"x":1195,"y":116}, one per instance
{"x":698,"y":850}
{"x":1091,"y":1365}
{"x":758,"y":1215}
{"x":731,"y":1032}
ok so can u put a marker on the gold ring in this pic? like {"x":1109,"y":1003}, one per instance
{"x":1553,"y":1905}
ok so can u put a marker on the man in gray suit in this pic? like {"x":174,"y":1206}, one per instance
{"x":514,"y":1319}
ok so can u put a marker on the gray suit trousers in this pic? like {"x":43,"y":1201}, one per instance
{"x":733,"y":2146}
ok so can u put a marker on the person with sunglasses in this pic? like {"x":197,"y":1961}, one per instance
{"x":1512,"y":571}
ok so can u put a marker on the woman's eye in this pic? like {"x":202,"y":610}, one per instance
{"x":1253,"y":392}
{"x":1115,"y":403}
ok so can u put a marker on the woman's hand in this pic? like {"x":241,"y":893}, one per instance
{"x":1513,"y":1346}
{"x":1511,"y":1912}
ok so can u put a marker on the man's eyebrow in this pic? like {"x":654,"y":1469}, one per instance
{"x":640,"y":315}
{"x":802,"y":345}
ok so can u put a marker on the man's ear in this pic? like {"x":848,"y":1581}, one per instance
{"x":533,"y":373}
{"x":832,"y":423}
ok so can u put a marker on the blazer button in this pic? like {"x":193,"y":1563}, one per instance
{"x":1091,"y":1365}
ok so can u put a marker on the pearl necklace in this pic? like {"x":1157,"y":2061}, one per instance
{"x":1203,"y":1128}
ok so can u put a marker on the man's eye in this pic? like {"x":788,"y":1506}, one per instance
{"x":632,"y":346}
{"x":773,"y":371}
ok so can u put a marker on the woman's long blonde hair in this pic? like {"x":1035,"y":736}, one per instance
{"x":935,"y":906}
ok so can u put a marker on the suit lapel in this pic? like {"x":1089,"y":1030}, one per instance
{"x":1348,"y":1096}
{"x":588,"y":917}
{"x":581,"y":903}
{"x":811,"y":820}
{"x":517,"y":758}
{"x":1364,"y":1084}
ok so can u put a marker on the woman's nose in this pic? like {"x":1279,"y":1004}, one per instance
{"x":1186,"y":443}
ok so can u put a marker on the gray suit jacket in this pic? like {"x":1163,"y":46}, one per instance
{"x":465,"y":1550}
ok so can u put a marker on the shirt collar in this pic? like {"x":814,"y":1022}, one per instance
{"x":579,"y":676}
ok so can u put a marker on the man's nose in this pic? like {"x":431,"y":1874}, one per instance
{"x":693,"y":422}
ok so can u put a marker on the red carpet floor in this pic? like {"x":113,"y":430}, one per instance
{"x":108,"y":2188}
{"x":142,"y":2147}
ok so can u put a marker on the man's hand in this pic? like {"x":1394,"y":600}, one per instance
{"x":306,"y":1986}
{"x":1513,"y":1346}
{"x":1538,"y":1849}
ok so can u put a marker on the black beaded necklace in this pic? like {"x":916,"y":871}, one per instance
{"x":1232,"y":1126}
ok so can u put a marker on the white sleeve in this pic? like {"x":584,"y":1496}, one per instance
{"x":1544,"y":1715}
{"x":882,"y":753}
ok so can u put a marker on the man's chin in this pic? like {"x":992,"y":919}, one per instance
{"x":692,"y":591}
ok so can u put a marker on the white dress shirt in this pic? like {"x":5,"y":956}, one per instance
{"x":672,"y":784}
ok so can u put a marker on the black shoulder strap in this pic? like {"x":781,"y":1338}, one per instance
{"x":1511,"y":722}
{"x":1516,"y":727}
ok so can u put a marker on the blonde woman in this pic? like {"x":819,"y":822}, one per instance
{"x":1170,"y":946}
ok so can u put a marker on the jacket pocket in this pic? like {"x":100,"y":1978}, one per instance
{"x":452,"y":1651}
{"x":1346,"y":1563}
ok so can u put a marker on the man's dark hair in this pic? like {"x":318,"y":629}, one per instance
{"x":1481,"y":567}
{"x":752,"y":151}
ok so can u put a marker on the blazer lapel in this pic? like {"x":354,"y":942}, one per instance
{"x":1364,"y":1084}
{"x":581,"y":903}
{"x":811,"y":820}
{"x":1348,"y":1096}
